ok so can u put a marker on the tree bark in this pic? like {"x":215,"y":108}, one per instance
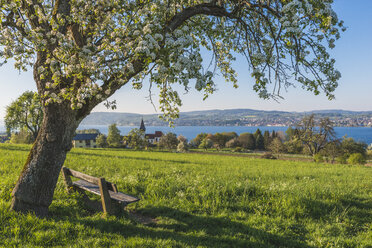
{"x":35,"y":187}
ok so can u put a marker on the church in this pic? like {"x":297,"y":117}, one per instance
{"x":152,"y":138}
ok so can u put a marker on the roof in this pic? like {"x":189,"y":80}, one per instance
{"x":142,"y":127}
{"x":157,"y":134}
{"x":85,"y":136}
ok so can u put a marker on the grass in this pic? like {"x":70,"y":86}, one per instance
{"x":198,"y":200}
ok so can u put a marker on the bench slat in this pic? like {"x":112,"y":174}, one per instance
{"x":118,"y":196}
{"x":82,"y":176}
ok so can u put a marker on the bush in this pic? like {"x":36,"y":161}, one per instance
{"x":356,"y":158}
{"x":268,"y":155}
{"x":318,"y":158}
{"x":238,"y":149}
{"x":182,"y":147}
{"x":342,"y":159}
{"x":232,"y":143}
{"x":22,"y":137}
{"x":168,"y":141}
{"x":350,"y":146}
{"x":369,"y":154}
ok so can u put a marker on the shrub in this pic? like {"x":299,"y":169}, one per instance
{"x":238,"y":149}
{"x":182,"y":147}
{"x":342,"y":159}
{"x":206,"y":143}
{"x":168,"y":141}
{"x":356,"y":158}
{"x":369,"y":154}
{"x":101,"y":141}
{"x":268,"y":155}
{"x":318,"y":158}
{"x":22,"y":137}
{"x":349,"y":145}
{"x":232,"y":143}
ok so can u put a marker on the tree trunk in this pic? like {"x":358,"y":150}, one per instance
{"x":35,"y":187}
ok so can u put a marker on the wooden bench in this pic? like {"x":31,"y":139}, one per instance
{"x":111,"y":198}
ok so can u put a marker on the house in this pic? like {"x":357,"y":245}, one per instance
{"x":3,"y":137}
{"x":153,"y":138}
{"x":82,"y":140}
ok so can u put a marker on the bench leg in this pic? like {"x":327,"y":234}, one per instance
{"x":105,"y":196}
{"x":67,"y":179}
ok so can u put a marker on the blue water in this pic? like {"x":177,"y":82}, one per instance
{"x":363,"y":134}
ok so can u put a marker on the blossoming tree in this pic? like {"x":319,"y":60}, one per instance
{"x":81,"y":52}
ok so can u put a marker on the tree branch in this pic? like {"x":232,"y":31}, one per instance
{"x":200,"y":9}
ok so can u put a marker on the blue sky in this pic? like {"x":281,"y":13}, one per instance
{"x":353,"y":54}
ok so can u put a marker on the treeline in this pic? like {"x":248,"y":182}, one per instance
{"x":244,"y":141}
{"x":136,"y":139}
{"x":309,"y":137}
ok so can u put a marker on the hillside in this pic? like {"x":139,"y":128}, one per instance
{"x":198,"y":200}
{"x":232,"y":117}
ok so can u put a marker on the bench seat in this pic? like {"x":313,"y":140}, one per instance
{"x":93,"y":188}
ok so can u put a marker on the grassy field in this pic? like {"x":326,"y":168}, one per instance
{"x":198,"y":200}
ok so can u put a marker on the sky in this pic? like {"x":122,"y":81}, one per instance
{"x":353,"y":54}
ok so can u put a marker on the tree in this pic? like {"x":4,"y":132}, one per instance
{"x":267,"y":139}
{"x":21,"y":137}
{"x":260,"y":142}
{"x":315,"y":136}
{"x":290,"y":133}
{"x":255,"y":134}
{"x":350,"y":146}
{"x":101,"y":141}
{"x":135,"y":139}
{"x":113,"y":137}
{"x":82,"y":52}
{"x":276,"y":146}
{"x":219,"y":140}
{"x":332,"y":150}
{"x":198,"y":139}
{"x":206,"y":144}
{"x":182,"y":144}
{"x":292,"y":144}
{"x":230,"y":135}
{"x":246,"y":140}
{"x":232,"y":143}
{"x":168,"y":141}
{"x":25,"y":113}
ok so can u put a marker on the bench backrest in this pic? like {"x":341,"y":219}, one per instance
{"x":95,"y":180}
{"x":103,"y":185}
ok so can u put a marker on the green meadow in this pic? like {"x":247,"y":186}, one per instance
{"x":197,"y":200}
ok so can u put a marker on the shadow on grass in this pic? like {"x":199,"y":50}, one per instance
{"x":356,"y":209}
{"x":191,"y":230}
{"x":137,"y":158}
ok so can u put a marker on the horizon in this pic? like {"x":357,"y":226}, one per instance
{"x":352,"y":55}
{"x":217,"y":109}
{"x":227,"y":109}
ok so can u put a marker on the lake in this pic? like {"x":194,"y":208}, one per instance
{"x":363,"y":134}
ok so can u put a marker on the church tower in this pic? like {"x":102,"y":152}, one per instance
{"x":142,"y":127}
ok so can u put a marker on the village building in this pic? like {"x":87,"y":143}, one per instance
{"x":152,"y":138}
{"x":85,"y":140}
{"x":3,"y":137}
